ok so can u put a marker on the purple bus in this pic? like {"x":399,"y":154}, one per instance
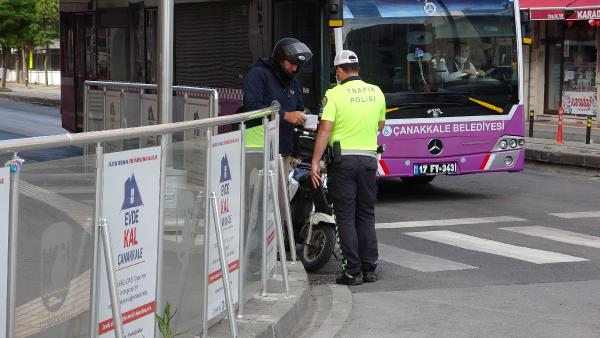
{"x":452,"y":77}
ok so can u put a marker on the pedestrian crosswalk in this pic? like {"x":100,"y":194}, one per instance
{"x":417,"y":261}
{"x":581,"y":214}
{"x":448,"y":222}
{"x":494,"y":247}
{"x":539,"y":249}
{"x":558,"y":235}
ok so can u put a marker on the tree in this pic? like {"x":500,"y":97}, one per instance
{"x":16,"y":20}
{"x":46,"y":27}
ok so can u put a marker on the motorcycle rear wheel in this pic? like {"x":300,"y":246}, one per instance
{"x":317,"y":253}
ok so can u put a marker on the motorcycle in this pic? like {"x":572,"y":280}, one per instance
{"x":313,"y":221}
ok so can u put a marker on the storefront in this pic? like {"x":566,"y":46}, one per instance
{"x":563,"y":57}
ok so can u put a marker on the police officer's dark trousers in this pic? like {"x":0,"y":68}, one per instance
{"x":353,"y":191}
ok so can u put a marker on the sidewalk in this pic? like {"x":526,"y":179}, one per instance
{"x":35,"y":94}
{"x":570,"y":153}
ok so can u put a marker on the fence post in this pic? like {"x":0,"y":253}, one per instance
{"x":96,"y":240}
{"x":112,"y":281}
{"x":161,"y":222}
{"x":279,"y":232}
{"x":15,"y":170}
{"x":264,"y":207}
{"x":288,"y":214}
{"x":206,"y":234}
{"x":241,"y":297}
{"x":224,"y":265}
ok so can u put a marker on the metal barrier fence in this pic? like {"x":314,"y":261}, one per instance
{"x":100,"y":254}
{"x":115,"y":105}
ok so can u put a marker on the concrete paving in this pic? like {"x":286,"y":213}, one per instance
{"x":570,"y":153}
{"x":36,"y":94}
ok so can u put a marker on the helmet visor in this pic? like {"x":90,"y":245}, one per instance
{"x":297,"y":53}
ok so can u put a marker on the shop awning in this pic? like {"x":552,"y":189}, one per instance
{"x":584,"y":10}
{"x":546,"y":9}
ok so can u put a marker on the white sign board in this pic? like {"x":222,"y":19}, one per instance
{"x":4,"y":228}
{"x":579,"y":103}
{"x":272,"y":152}
{"x":149,"y":117}
{"x":95,"y":110}
{"x":195,"y":139}
{"x":112,"y":119}
{"x":225,"y":174}
{"x":130,"y":198}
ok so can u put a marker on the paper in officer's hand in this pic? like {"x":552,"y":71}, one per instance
{"x":310,"y":122}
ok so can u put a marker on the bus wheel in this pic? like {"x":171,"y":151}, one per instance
{"x":417,"y":179}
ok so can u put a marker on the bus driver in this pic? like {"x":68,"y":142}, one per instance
{"x":461,"y":67}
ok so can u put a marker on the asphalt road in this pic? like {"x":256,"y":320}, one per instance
{"x":19,"y":120}
{"x":499,"y":255}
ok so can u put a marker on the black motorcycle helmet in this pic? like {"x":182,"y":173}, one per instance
{"x":291,"y":49}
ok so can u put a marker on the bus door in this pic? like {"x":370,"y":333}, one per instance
{"x":301,"y":19}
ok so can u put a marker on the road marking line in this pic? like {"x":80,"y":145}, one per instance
{"x":583,"y":214}
{"x":496,"y":248}
{"x":447,"y":222}
{"x":417,"y":261}
{"x":558,"y":235}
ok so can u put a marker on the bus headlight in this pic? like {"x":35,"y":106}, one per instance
{"x":509,"y":142}
{"x":508,"y":161}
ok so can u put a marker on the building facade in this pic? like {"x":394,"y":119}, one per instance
{"x":215,"y":43}
{"x":562,"y":65}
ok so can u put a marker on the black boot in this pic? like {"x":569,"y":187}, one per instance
{"x":369,"y":277}
{"x":348,"y":279}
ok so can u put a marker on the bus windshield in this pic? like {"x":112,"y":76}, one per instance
{"x":436,"y":58}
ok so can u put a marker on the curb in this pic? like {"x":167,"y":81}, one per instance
{"x":563,"y":158}
{"x":29,"y":99}
{"x":273,"y":316}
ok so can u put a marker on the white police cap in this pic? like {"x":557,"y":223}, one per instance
{"x":345,"y":56}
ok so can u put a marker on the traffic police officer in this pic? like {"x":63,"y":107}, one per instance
{"x":353,"y":113}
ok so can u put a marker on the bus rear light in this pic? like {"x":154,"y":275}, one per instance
{"x":509,"y":142}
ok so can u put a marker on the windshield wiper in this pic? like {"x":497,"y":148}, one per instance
{"x":413,"y":105}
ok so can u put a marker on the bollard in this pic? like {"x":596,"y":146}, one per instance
{"x":559,"y":133}
{"x":588,"y":130}
{"x":531,"y":115}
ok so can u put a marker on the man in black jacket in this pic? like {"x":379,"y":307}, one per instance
{"x":274,"y":79}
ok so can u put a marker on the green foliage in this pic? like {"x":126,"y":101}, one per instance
{"x":46,"y":22}
{"x":16,"y":21}
{"x":28,"y":22}
{"x":164,"y":322}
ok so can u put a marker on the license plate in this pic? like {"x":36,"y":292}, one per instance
{"x":434,"y":169}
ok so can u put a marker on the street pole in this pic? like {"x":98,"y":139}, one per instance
{"x":166,"y":9}
{"x":588,"y":130}
{"x":531,"y":117}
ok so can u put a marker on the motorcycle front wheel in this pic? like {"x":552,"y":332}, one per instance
{"x":320,"y":247}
